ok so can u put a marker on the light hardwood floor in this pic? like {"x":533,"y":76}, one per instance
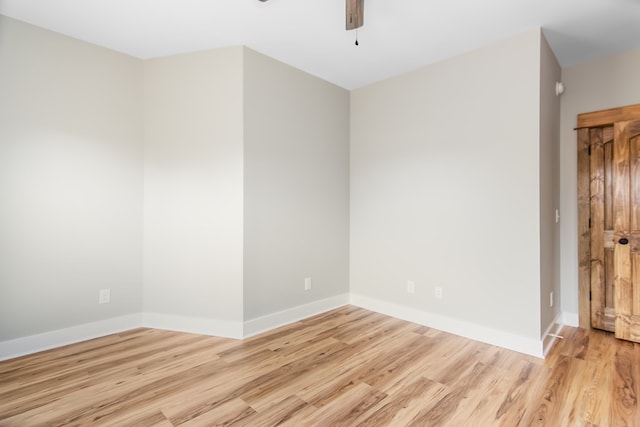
{"x":345,"y":367}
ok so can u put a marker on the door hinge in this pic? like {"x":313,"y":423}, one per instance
{"x":589,"y":222}
{"x":589,"y":295}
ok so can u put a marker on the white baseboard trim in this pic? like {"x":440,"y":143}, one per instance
{"x":571,"y":319}
{"x":271,"y":321}
{"x":462,"y":328}
{"x":550,"y":336}
{"x":58,"y":338}
{"x":238,"y":330}
{"x":193,"y":325}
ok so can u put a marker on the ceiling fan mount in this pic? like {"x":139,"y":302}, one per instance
{"x":355,"y":14}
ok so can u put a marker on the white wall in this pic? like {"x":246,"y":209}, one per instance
{"x":445,"y":187}
{"x":70,"y":181}
{"x":549,"y":186}
{"x":596,"y":85}
{"x":296,"y":187}
{"x":193,"y":185}
{"x":85,"y":209}
{"x":445,"y":181}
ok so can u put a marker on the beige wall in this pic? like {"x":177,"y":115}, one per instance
{"x":70,"y":181}
{"x":445,"y":187}
{"x":193,"y":185}
{"x":129,"y":175}
{"x":596,"y":85}
{"x":449,"y":185}
{"x":296,"y":187}
{"x":549,"y":186}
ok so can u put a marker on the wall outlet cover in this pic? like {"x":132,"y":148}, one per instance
{"x":104,"y":296}
{"x":411,"y":287}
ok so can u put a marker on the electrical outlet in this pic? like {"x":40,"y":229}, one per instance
{"x":438,"y":292}
{"x":307,"y":284}
{"x":550,"y":299}
{"x":104,"y":296}
{"x":411,"y":287}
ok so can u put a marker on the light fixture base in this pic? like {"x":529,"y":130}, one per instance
{"x":355,"y":14}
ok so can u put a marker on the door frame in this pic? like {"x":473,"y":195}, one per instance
{"x":585,"y":121}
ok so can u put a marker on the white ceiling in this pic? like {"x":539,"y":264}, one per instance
{"x":398,"y":35}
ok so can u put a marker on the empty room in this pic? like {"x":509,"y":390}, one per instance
{"x":319,"y":213}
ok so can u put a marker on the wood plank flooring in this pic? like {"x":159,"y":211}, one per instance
{"x":347,"y":367}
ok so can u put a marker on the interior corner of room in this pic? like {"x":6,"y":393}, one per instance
{"x":224,"y":192}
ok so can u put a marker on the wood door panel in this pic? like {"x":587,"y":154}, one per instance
{"x":608,"y":183}
{"x":584,"y":230}
{"x":609,"y":281}
{"x":621,"y":214}
{"x":628,"y":328}
{"x":633,"y":131}
{"x":626,"y":185}
{"x":597,"y":192}
{"x":635,"y":283}
{"x":634,"y":327}
{"x":602,"y":233}
{"x":634,"y":164}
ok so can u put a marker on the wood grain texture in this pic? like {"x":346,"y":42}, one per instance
{"x":608,"y":117}
{"x":347,"y":367}
{"x":633,"y":133}
{"x":603,"y":121}
{"x":634,"y":171}
{"x":597,"y":208}
{"x":626,"y":194}
{"x":584,"y":231}
{"x":608,"y":182}
{"x":621,"y":189}
{"x":607,"y":140}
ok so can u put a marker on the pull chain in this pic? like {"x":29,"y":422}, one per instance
{"x":357,"y":44}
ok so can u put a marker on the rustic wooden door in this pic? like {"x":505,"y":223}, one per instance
{"x":609,"y":219}
{"x":626,"y":227}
